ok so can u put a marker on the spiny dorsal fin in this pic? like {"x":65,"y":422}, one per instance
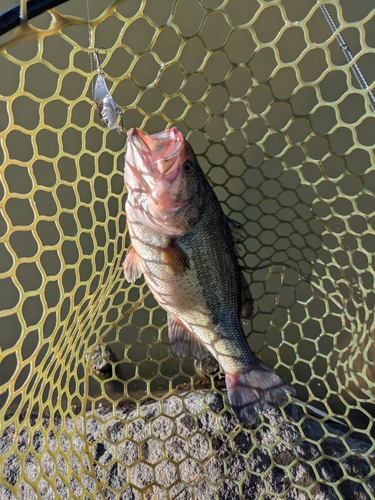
{"x":236,"y":230}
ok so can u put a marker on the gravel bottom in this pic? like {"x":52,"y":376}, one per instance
{"x":177,"y":449}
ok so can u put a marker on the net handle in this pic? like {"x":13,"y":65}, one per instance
{"x":12,"y":18}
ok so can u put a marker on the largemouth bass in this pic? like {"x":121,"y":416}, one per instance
{"x":183,"y":245}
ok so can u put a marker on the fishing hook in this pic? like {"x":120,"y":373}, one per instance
{"x":97,"y":59}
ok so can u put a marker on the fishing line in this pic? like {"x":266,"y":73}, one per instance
{"x":304,"y":276}
{"x":90,"y":47}
{"x":23,"y":11}
{"x":272,"y":264}
{"x":348,"y":56}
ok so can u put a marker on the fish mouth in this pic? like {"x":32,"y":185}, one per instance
{"x":160,"y":150}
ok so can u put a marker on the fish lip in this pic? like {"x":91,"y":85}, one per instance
{"x":136,"y":138}
{"x":160,"y":150}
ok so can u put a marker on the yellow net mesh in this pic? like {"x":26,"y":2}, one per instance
{"x":93,"y":403}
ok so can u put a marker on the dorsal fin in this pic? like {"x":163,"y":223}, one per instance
{"x":247,"y":302}
{"x":236,"y":230}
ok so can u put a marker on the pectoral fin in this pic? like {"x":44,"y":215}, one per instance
{"x":183,"y":341}
{"x":132,"y":266}
{"x":175,"y":258}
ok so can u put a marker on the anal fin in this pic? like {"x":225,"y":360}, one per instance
{"x":132,"y":266}
{"x":183,"y":341}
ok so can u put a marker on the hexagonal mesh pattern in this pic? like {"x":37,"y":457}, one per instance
{"x":93,"y":402}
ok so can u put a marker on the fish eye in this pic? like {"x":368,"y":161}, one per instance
{"x":188,"y":167}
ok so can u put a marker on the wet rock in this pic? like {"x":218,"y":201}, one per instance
{"x":215,"y":402}
{"x":12,"y":469}
{"x":152,"y":451}
{"x":243,"y":442}
{"x":204,"y":491}
{"x":150,"y":409}
{"x":334,"y":447}
{"x":295,"y":494}
{"x":229,"y":491}
{"x":199,"y":447}
{"x":128,"y":452}
{"x":141,"y":475}
{"x":139,"y":430}
{"x":259,"y":460}
{"x":237,"y":467}
{"x":324,"y":492}
{"x":166,"y":473}
{"x":278,"y":480}
{"x":253,"y":487}
{"x":172,"y":406}
{"x":177,"y":449}
{"x":101,"y":359}
{"x":214,"y":471}
{"x":308,"y":451}
{"x":185,"y":425}
{"x":356,"y":467}
{"x":157,"y":449}
{"x":283,"y":454}
{"x":350,"y":490}
{"x":207,"y":423}
{"x":116,"y":431}
{"x":303,"y":474}
{"x":189,"y":469}
{"x":194,"y":403}
{"x":312,"y":429}
{"x":329,"y":470}
{"x":116,"y":476}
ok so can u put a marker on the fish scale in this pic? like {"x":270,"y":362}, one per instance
{"x":182,"y":243}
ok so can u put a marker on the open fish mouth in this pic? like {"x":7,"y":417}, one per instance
{"x":159,"y":151}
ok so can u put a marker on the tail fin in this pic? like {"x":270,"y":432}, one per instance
{"x":249,"y":391}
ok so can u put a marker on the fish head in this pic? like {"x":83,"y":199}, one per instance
{"x":164,"y":181}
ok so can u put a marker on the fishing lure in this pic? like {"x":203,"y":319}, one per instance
{"x":109,"y":112}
